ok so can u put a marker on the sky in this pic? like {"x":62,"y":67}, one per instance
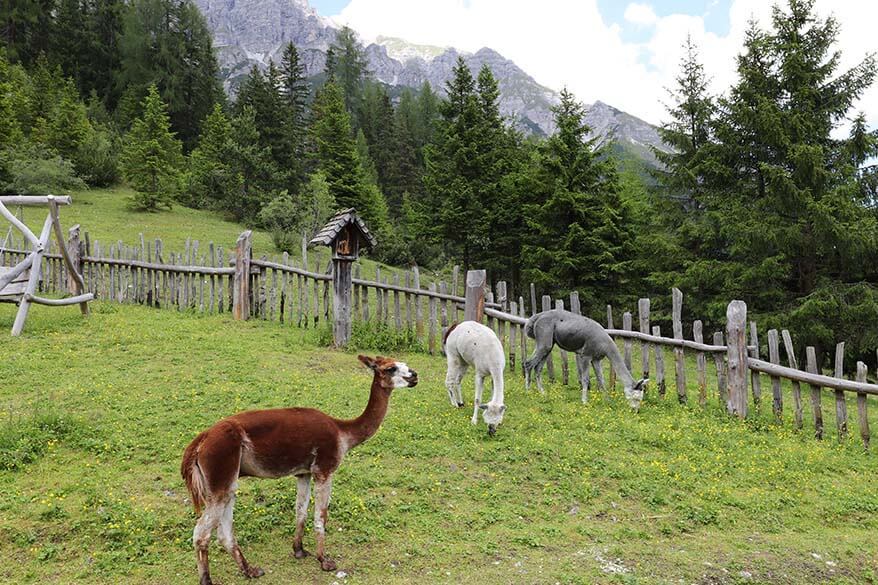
{"x":623,"y":53}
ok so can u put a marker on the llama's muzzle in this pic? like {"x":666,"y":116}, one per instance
{"x":492,"y":430}
{"x":412,"y":378}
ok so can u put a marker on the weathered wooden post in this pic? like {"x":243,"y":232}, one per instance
{"x":474,"y":308}
{"x":345,"y":232}
{"x":241,"y":297}
{"x":736,"y":330}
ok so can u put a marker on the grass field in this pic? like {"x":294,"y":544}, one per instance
{"x":94,"y":416}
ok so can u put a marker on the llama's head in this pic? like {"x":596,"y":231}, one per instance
{"x":492,"y":414}
{"x":634,"y":395}
{"x":391,"y":373}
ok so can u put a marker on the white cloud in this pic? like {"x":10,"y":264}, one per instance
{"x":640,"y":14}
{"x":566,"y":42}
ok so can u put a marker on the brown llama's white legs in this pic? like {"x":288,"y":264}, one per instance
{"x":210,"y":518}
{"x":323,"y":489}
{"x":303,"y":495}
{"x":480,"y":388}
{"x":226,"y":535}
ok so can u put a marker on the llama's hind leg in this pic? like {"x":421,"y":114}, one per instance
{"x":226,"y":535}
{"x":205,"y":526}
{"x":323,"y":488}
{"x":598,"y":366}
{"x":456,"y":371}
{"x":586,"y":383}
{"x":534,"y":365}
{"x":303,"y":495}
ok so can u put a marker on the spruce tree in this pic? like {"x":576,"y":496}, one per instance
{"x":212,"y":179}
{"x":152,"y":156}
{"x":582,"y":238}
{"x":294,"y":97}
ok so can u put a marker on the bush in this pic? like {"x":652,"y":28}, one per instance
{"x":97,"y":158}
{"x":282,"y":218}
{"x":33,"y":170}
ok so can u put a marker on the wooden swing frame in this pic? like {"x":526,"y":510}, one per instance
{"x":19,"y":283}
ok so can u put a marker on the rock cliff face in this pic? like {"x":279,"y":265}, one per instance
{"x":251,"y":32}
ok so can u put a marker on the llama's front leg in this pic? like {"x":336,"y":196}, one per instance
{"x":226,"y":536}
{"x":323,"y":489}
{"x":480,"y":387}
{"x":303,"y":496}
{"x":210,"y":517}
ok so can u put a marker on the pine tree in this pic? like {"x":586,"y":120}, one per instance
{"x":254,"y":166}
{"x":335,"y":150}
{"x":152,"y":156}
{"x":581,"y":238}
{"x":168,"y":43}
{"x":212,"y":179}
{"x":350,"y":71}
{"x":294,"y":97}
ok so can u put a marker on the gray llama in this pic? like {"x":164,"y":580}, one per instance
{"x":588,"y":340}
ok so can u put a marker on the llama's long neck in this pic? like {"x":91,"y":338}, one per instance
{"x":497,"y":388}
{"x":619,"y":365}
{"x":358,"y":430}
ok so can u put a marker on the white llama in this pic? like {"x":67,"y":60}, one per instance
{"x":472,"y":344}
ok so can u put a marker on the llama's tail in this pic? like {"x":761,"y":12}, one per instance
{"x":529,"y":326}
{"x":447,"y":333}
{"x":192,"y":474}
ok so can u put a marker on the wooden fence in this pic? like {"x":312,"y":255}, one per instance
{"x":212,"y":280}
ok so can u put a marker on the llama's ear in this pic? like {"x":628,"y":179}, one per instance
{"x":367,"y":361}
{"x":503,"y":408}
{"x":483,"y":406}
{"x":641,"y":384}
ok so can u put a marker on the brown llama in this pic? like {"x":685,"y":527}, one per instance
{"x":276,"y":443}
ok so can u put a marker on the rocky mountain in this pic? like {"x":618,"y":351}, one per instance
{"x":248,"y":32}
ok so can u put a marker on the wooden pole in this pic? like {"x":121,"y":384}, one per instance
{"x":736,"y":325}
{"x":33,"y":279}
{"x":841,"y":410}
{"x":719,"y":362}
{"x":643,"y":317}
{"x":811,"y":365}
{"x":565,"y":364}
{"x":797,"y":390}
{"x":612,"y":387}
{"x":679,"y":356}
{"x":550,"y":366}
{"x":774,"y":357}
{"x":701,"y":362}
{"x":754,"y":375}
{"x":474,"y":309}
{"x":626,"y":325}
{"x":341,"y":300}
{"x":659,"y":363}
{"x":863,"y":416}
{"x":243,"y":254}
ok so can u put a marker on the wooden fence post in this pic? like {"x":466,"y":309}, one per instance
{"x":474,"y":309}
{"x":659,"y":352}
{"x":701,"y":362}
{"x":754,"y":375}
{"x":74,"y":250}
{"x":736,"y":332}
{"x":679,"y":356}
{"x":550,"y":366}
{"x":241,"y":299}
{"x":861,"y":406}
{"x":341,"y":300}
{"x":565,"y":364}
{"x":811,"y":364}
{"x":719,"y":361}
{"x":797,"y":390}
{"x":774,"y":357}
{"x":643,"y":316}
{"x":627,"y":326}
{"x":841,"y":409}
{"x":612,"y":387}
